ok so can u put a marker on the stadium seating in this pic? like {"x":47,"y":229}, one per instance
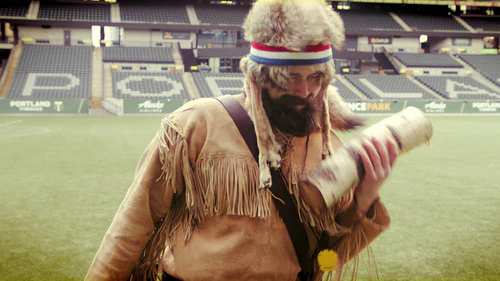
{"x":344,"y":92}
{"x":53,"y":72}
{"x":487,"y":65}
{"x":216,"y":84}
{"x":137,"y":54}
{"x":435,"y":22}
{"x":484,"y":24}
{"x":153,"y":85}
{"x":74,"y":12}
{"x":427,"y":60}
{"x":213,"y":14}
{"x":365,"y":20}
{"x":387,"y":87}
{"x":458,"y":87}
{"x":14,"y":9}
{"x":133,"y":11}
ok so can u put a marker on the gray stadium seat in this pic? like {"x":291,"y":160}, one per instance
{"x":375,"y":20}
{"x":431,"y":22}
{"x":215,"y":84}
{"x":214,"y":14}
{"x":14,"y":9}
{"x":487,"y":65}
{"x":134,"y":11}
{"x":151,"y":85}
{"x":458,"y":87}
{"x":427,"y":60}
{"x":74,"y":12}
{"x":137,"y":54}
{"x":387,"y":87}
{"x":53,"y":72}
{"x":344,"y":92}
{"x":484,"y":24}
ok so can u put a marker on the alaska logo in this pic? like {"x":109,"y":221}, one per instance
{"x":435,"y":107}
{"x":149,"y":106}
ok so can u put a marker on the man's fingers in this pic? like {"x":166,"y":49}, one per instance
{"x":375,"y":158}
{"x":367,"y":164}
{"x":392,"y":150}
{"x":384,"y":155}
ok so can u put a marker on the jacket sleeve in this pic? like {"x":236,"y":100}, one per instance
{"x":147,"y":200}
{"x":355,"y":233}
{"x":359,"y":232}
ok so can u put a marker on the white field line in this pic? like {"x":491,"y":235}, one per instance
{"x":10,"y":123}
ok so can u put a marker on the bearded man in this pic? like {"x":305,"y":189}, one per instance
{"x":202,"y":208}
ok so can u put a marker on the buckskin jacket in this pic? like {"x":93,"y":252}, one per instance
{"x":195,"y":209}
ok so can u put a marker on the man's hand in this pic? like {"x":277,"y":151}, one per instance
{"x":377,"y":158}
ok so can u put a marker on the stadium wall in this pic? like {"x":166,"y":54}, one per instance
{"x":163,"y":106}
{"x":59,"y":106}
{"x":55,"y":35}
{"x":156,"y":38}
{"x":437,"y":71}
{"x":457,"y":45}
{"x":427,"y":106}
{"x":391,"y":44}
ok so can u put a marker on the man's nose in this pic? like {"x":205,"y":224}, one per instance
{"x":302,"y":89}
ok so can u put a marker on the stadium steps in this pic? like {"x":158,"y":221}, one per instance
{"x":476,"y":75}
{"x":400,"y":21}
{"x":424,"y":87}
{"x":176,"y":55}
{"x":384,"y":62}
{"x":188,"y":58}
{"x":351,"y":87}
{"x":115,"y":13}
{"x":107,"y":80}
{"x":395,"y":62}
{"x":193,"y":18}
{"x":464,"y":24}
{"x":33,"y":10}
{"x":10,"y":69}
{"x":97,"y":77}
{"x":191,"y":88}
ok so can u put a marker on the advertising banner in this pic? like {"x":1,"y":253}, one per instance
{"x":482,"y":107}
{"x":44,"y":106}
{"x":437,"y":106}
{"x":376,"y":106}
{"x":151,"y":106}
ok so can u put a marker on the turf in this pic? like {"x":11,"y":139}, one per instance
{"x":62,"y":178}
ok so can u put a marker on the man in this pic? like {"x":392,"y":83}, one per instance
{"x":200,"y":206}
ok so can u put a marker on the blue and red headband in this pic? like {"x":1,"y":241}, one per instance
{"x":270,"y":55}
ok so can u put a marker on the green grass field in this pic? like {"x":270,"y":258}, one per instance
{"x":62,"y":178}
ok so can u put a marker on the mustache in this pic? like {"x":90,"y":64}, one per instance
{"x":291,"y":114}
{"x":291,"y":102}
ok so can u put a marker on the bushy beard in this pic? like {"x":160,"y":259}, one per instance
{"x":291,"y":114}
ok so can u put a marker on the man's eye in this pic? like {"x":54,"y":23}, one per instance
{"x":294,"y":79}
{"x":316,"y":76}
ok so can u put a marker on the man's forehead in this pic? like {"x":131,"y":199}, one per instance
{"x":305,"y":70}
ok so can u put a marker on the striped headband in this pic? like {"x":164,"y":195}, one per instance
{"x":269,"y":55}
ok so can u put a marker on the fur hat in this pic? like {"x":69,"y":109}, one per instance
{"x":294,"y":26}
